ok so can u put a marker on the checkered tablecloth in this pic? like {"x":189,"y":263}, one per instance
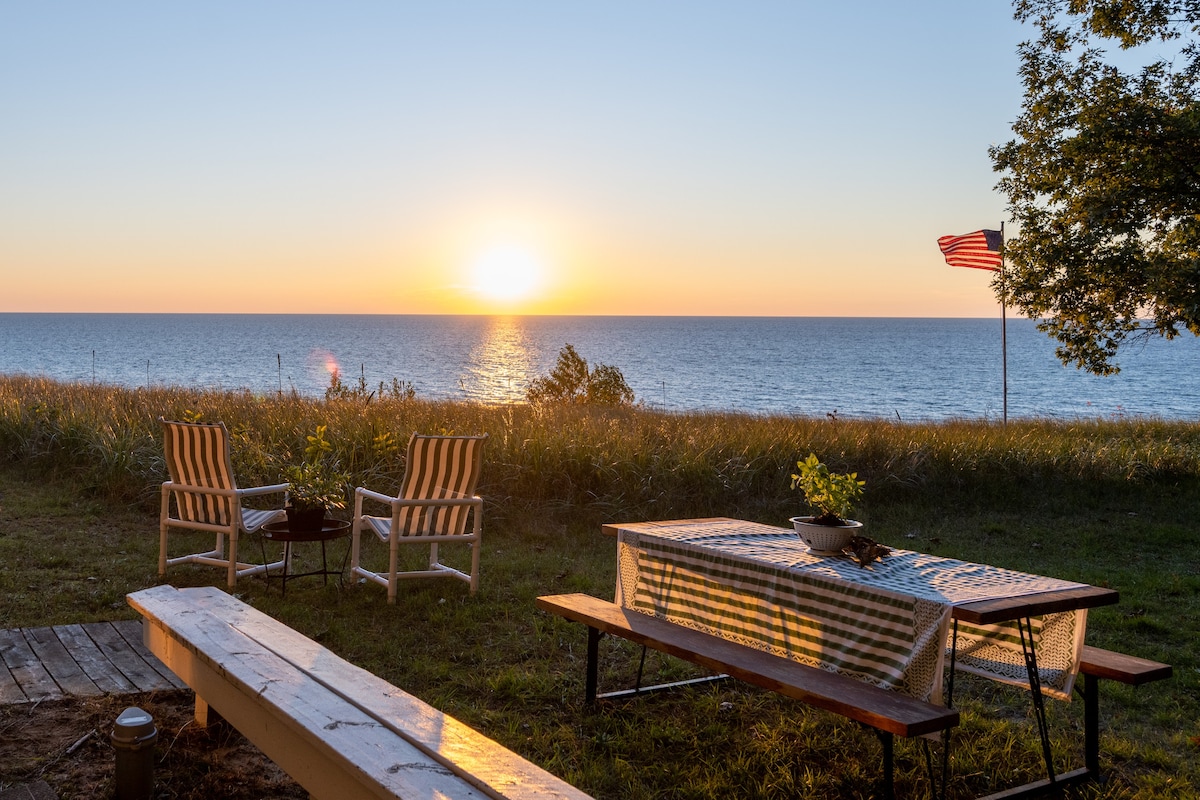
{"x":888,"y":624}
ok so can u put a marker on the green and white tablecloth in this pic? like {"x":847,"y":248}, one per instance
{"x":887,"y":624}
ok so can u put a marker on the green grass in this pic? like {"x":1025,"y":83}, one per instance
{"x":1108,"y":502}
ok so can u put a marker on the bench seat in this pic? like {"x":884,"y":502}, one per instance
{"x":337,"y":730}
{"x":890,"y":713}
{"x":1119,"y":667}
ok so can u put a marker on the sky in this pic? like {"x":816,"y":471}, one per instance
{"x":646,"y":157}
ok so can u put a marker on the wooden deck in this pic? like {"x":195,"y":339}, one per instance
{"x":79,"y":660}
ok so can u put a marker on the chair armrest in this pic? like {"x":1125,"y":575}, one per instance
{"x":276,"y":488}
{"x":367,"y":494}
{"x":171,"y":486}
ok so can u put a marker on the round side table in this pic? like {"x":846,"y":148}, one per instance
{"x":280,"y":532}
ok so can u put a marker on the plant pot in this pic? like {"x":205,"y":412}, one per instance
{"x":305,"y":520}
{"x":825,"y":539}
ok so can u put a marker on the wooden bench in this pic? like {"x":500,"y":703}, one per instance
{"x":338,"y":730}
{"x":1096,"y":665}
{"x":889,"y":713}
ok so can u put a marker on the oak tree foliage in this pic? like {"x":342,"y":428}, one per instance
{"x":572,"y":382}
{"x":1103,"y":177}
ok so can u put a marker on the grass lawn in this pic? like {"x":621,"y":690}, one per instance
{"x":73,"y":544}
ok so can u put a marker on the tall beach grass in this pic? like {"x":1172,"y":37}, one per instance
{"x":578,"y":458}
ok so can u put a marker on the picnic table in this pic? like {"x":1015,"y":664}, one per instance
{"x":892,"y":624}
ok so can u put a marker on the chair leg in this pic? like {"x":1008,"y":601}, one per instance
{"x":393,"y":554}
{"x":475,"y":565}
{"x":433,"y":557}
{"x":356,"y":527}
{"x":162,"y":548}
{"x":163,"y":513}
{"x":232,"y":574}
{"x":355,"y":543}
{"x":476,"y":546}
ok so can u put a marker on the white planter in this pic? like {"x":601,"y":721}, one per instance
{"x":825,"y":539}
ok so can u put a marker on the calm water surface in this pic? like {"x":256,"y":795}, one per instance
{"x":912,"y":368}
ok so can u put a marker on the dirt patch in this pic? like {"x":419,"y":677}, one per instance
{"x":66,"y":744}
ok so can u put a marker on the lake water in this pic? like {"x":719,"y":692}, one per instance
{"x":916,"y":369}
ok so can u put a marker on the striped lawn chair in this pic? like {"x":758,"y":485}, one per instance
{"x":207,"y":498}
{"x":436,"y":496}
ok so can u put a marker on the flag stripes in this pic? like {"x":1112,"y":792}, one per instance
{"x":979,"y":250}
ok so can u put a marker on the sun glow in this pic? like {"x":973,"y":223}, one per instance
{"x":506,"y":273}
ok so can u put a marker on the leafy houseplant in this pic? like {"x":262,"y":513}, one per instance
{"x":833,"y":496}
{"x":315,"y":486}
{"x":831,"y":493}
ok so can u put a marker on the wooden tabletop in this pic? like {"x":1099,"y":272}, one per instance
{"x":984,"y":612}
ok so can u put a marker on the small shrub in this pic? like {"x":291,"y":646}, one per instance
{"x":572,"y":382}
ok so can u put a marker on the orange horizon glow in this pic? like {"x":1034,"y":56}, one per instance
{"x":548,"y":265}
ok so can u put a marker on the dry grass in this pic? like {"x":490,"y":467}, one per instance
{"x":66,"y":744}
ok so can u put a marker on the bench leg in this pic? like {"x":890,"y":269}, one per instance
{"x":205,"y":714}
{"x":593,"y":650}
{"x":889,"y":764}
{"x":591,"y":683}
{"x":1091,"y":724}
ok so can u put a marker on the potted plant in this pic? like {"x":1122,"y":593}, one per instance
{"x":314,"y":486}
{"x":832,"y":495}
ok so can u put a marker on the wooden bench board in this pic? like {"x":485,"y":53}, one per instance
{"x":338,"y":730}
{"x":1119,"y":667}
{"x":888,"y":711}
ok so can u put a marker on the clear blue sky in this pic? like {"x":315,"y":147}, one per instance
{"x":640,"y":157}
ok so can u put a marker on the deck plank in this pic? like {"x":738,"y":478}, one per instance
{"x":81,"y":660}
{"x":131,"y":665}
{"x":131,"y":632}
{"x":94,"y":663}
{"x":30,"y":675}
{"x":71,"y":679}
{"x":10,"y":690}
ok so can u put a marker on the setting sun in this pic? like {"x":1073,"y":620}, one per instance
{"x":506,"y":272}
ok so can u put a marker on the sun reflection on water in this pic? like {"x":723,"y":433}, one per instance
{"x":501,"y":365}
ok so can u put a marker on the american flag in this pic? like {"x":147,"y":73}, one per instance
{"x":980,"y":250}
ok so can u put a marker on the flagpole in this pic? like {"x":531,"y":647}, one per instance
{"x":1003,"y":326}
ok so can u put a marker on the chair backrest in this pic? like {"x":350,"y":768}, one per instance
{"x":439,"y":467}
{"x":198,"y":455}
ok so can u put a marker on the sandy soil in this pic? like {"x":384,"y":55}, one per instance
{"x":66,"y":743}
